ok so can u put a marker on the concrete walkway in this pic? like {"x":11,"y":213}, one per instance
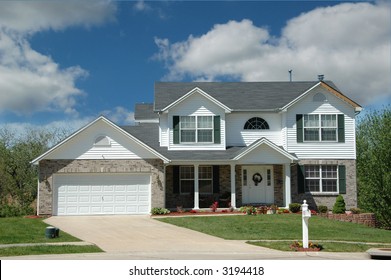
{"x":144,"y":238}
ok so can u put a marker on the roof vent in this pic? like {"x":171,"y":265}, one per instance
{"x":320,"y":77}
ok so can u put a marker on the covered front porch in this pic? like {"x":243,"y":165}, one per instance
{"x":259,"y":175}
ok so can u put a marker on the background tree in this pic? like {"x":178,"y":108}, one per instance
{"x":18,"y":178}
{"x":374,"y":164}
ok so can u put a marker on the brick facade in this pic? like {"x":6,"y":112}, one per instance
{"x":47,"y":168}
{"x":315,"y":200}
{"x":174,"y":200}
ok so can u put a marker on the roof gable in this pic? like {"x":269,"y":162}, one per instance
{"x":81,"y":144}
{"x":331,"y":88}
{"x":196,"y":90}
{"x":264,"y":146}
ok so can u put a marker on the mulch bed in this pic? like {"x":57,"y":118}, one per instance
{"x":178,"y":214}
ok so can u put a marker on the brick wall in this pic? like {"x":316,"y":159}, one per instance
{"x":368,"y":219}
{"x":328,"y":200}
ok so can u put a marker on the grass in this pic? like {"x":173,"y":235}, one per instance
{"x":47,"y":250}
{"x":285,"y":227}
{"x":26,"y":230}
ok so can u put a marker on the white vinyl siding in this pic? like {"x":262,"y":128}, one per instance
{"x":197,"y":105}
{"x":83,"y":145}
{"x":163,"y":130}
{"x":238,"y":136}
{"x":322,"y":149}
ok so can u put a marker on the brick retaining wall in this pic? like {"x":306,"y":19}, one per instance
{"x":368,"y":219}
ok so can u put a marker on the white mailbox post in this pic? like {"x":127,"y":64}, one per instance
{"x":306,"y":214}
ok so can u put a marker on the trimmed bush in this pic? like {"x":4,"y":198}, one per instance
{"x":294,"y":207}
{"x":323,"y":209}
{"x":339,"y":206}
{"x":159,"y":211}
{"x":7,"y":210}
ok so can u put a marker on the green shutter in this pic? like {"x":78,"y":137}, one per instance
{"x":176,"y":129}
{"x":300,"y":179}
{"x":175,"y":178}
{"x":216,"y":179}
{"x":216,"y":130}
{"x":341,"y":128}
{"x":342,"y":179}
{"x":299,"y":128}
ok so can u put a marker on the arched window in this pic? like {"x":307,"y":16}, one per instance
{"x":256,"y":123}
{"x":102,"y":141}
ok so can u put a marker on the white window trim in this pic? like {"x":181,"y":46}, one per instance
{"x":320,"y":178}
{"x":196,"y":129}
{"x":319,"y":127}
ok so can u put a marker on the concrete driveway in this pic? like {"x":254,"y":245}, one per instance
{"x":142,"y":237}
{"x":142,"y":234}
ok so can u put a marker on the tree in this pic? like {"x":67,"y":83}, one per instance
{"x":18,"y":178}
{"x":373,"y":140}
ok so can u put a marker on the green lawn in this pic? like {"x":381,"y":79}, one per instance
{"x":26,"y":230}
{"x":283,"y":227}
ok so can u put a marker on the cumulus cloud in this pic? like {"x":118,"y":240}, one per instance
{"x":119,"y":115}
{"x":349,"y":43}
{"x":30,"y":81}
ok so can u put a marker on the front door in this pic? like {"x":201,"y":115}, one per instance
{"x":257,"y":185}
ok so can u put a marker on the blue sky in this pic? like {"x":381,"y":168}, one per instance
{"x":64,"y":64}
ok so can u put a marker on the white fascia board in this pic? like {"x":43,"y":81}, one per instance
{"x":299,"y":98}
{"x":203,"y":93}
{"x":114,"y":126}
{"x":268,"y":143}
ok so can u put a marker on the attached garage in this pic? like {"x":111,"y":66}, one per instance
{"x":102,"y":194}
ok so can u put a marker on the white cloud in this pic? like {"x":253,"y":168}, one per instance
{"x":33,"y":16}
{"x":30,"y":81}
{"x":119,"y":115}
{"x":348,"y":43}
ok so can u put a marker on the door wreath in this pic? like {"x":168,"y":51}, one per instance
{"x":257,"y":178}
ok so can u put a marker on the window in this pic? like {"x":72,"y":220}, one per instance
{"x":196,"y":129}
{"x":186,"y":175}
{"x":256,"y":123}
{"x":320,"y":127}
{"x":245,"y":177}
{"x":102,"y":141}
{"x":205,"y":179}
{"x":321,"y":178}
{"x":268,"y":177}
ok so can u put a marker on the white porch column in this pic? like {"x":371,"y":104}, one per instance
{"x":233,"y":186}
{"x":196,"y":188}
{"x":287,"y":172}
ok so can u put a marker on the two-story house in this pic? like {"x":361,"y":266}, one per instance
{"x":237,"y":143}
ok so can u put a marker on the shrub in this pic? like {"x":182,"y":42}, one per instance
{"x":249,"y":210}
{"x":339,"y":206}
{"x":159,"y":211}
{"x":7,"y":210}
{"x":214,"y":206}
{"x":323,"y":209}
{"x":355,"y":210}
{"x":294,"y":207}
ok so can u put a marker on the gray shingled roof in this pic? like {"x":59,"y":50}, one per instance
{"x":144,"y":111}
{"x":236,"y":95}
{"x":149,"y":134}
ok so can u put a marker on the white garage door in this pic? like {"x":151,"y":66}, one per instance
{"x":97,"y":194}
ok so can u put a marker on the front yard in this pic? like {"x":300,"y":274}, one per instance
{"x":286,"y":228}
{"x":26,"y":230}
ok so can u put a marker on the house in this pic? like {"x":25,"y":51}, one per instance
{"x":237,"y":143}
